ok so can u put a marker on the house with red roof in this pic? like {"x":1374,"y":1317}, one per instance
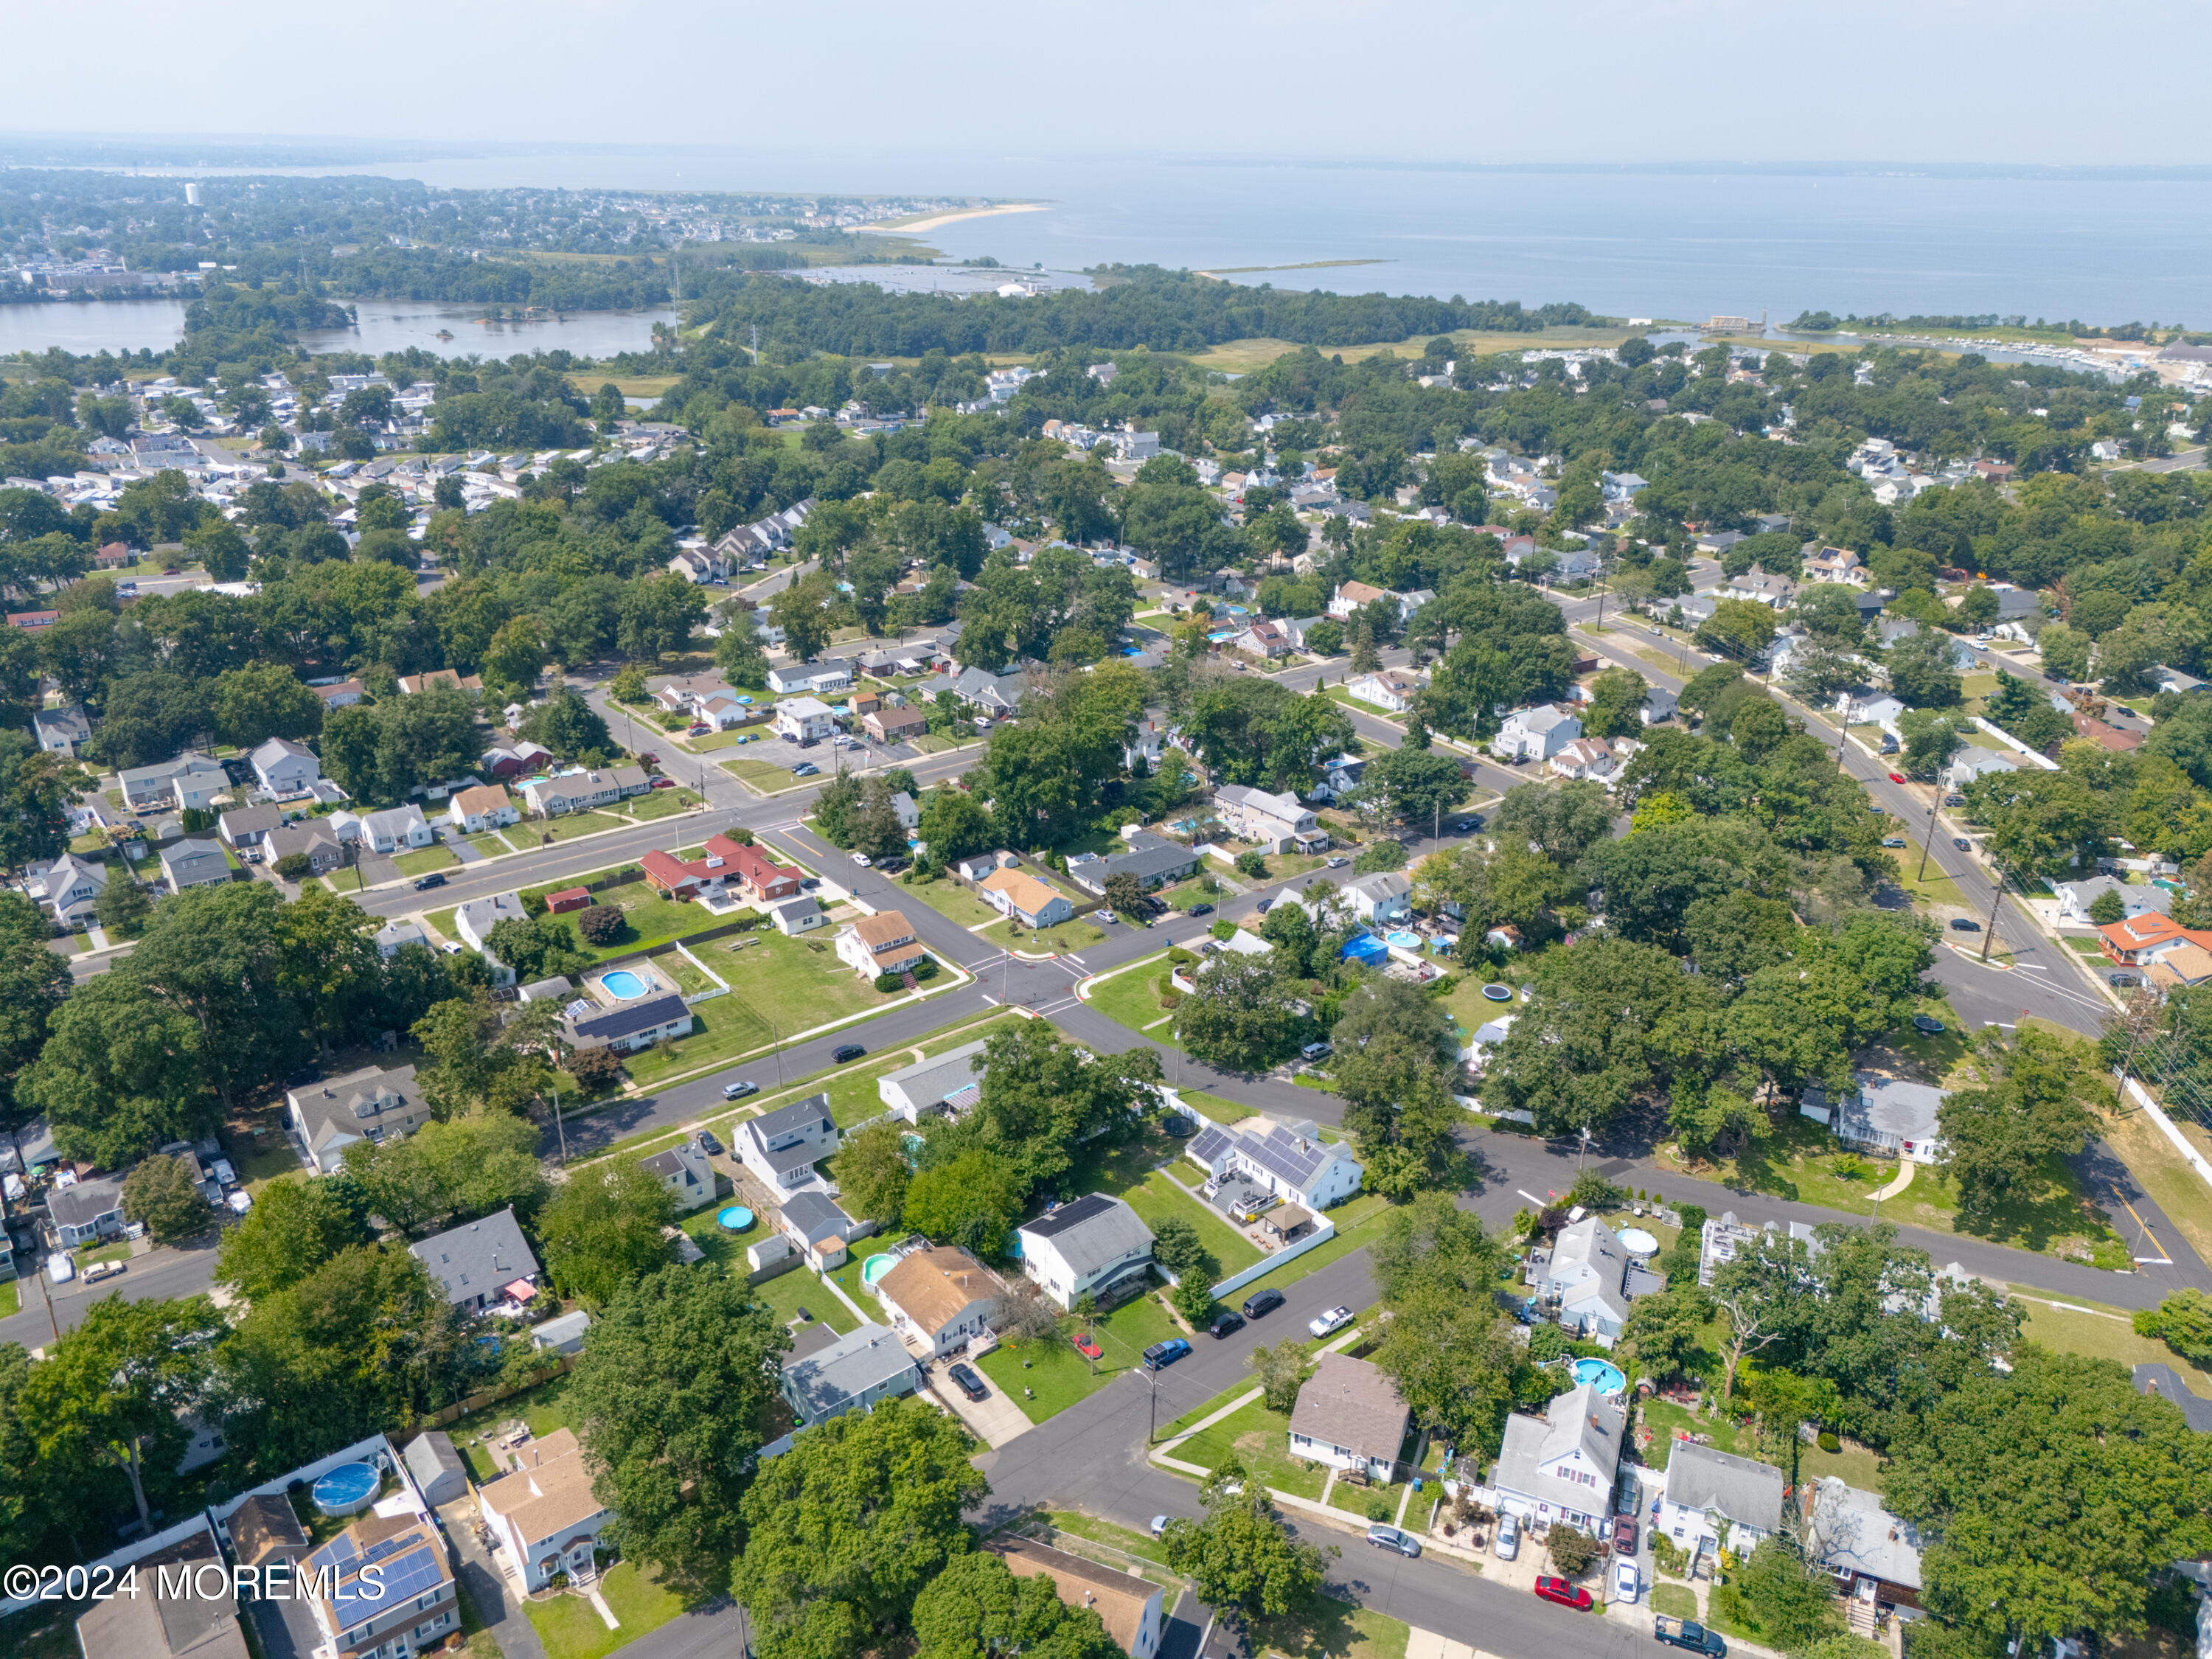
{"x":2142,"y":941}
{"x":727,"y":865}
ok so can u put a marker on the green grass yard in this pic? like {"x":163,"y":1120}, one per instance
{"x":1261,"y":1438}
{"x":764,"y":776}
{"x":424,"y":862}
{"x":1133,"y":997}
{"x":533,"y":832}
{"x":1063,"y":939}
{"x":1674,"y":1600}
{"x":851,"y":1088}
{"x":660,"y":804}
{"x":1323,"y":1627}
{"x":2103,"y":1332}
{"x":10,"y":1298}
{"x":787,"y":1293}
{"x":543,"y":1408}
{"x":571,"y":1628}
{"x":1156,"y":1198}
{"x":1355,"y":1228}
{"x":1056,"y":1377}
{"x":952,"y":901}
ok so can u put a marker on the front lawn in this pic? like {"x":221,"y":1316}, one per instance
{"x":2105,"y":1333}
{"x":571,"y":1628}
{"x":764,"y":776}
{"x":950,"y":900}
{"x":853,"y":1097}
{"x":778,"y":986}
{"x":1323,"y":1627}
{"x":720,"y":1029}
{"x":1048,"y":1376}
{"x":1135,"y":996}
{"x":1261,"y":1438}
{"x":1674,"y":1600}
{"x":535,"y":832}
{"x":660,"y":804}
{"x":1062,"y":940}
{"x":421,"y":863}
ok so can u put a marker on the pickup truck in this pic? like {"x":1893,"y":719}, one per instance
{"x":1688,"y":1633}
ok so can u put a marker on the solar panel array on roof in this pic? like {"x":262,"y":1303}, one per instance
{"x":413,"y":1574}
{"x":339,"y":1552}
{"x":384,"y":1547}
{"x":1212,"y":1143}
{"x":1280,"y":1153}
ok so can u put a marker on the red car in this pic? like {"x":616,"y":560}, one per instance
{"x":1624,"y":1535}
{"x":1566,"y":1595}
{"x":1087,"y":1347}
{"x":1897,"y":777}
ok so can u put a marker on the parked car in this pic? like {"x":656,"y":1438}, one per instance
{"x":1962,"y":843}
{"x":705,"y":1141}
{"x":846,"y":1051}
{"x":1627,"y":1581}
{"x":862,"y":859}
{"x":1201,"y":910}
{"x":968,"y":1383}
{"x":1103,"y":918}
{"x":664,"y":783}
{"x":738,"y":1091}
{"x":1928,"y":1025}
{"x":1557,"y":1590}
{"x":1965,"y":924}
{"x":1624,"y":1535}
{"x":1689,"y":1633}
{"x":1334,"y":1320}
{"x":1161,"y":1355}
{"x":240,"y":1201}
{"x":1316,"y":1051}
{"x":224,"y":1173}
{"x":100,"y":1270}
{"x":1087,"y":1345}
{"x":424,"y":884}
{"x":1396,"y":1539}
{"x":806,"y":770}
{"x":1265,"y":904}
{"x":1955,"y":800}
{"x":1897,"y":777}
{"x":1262,"y":1303}
{"x":1225,"y":1324}
{"x":1338,"y":862}
{"x":1893,"y":840}
{"x":2124,"y":981}
{"x":1159,"y":1525}
{"x":698,"y":730}
{"x":1508,"y":1542}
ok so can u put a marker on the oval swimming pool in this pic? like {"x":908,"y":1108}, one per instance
{"x":1403,"y":940}
{"x":348,"y":1489}
{"x":1608,"y":1378}
{"x":624,"y":983}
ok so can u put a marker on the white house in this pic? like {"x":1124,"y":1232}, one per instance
{"x":1619,"y":486}
{"x":1586,"y":757}
{"x":940,"y":1297}
{"x":370,"y":1104}
{"x":883,"y":943}
{"x":70,"y":888}
{"x":1585,"y":1281}
{"x":1095,"y":1245}
{"x":830,"y":674}
{"x":797,"y":915}
{"x":1278,"y":824}
{"x":474,"y":922}
{"x":782,"y":1147}
{"x":1394,"y":689}
{"x":949,"y":1083}
{"x":1382,"y":897}
{"x":61,"y":731}
{"x":1537,"y":734}
{"x":1350,"y":1416}
{"x":804,"y":720}
{"x":1836,"y":564}
{"x":2074,"y":898}
{"x":1970,"y":763}
{"x":1561,"y":1466}
{"x":686,"y":1172}
{"x":399,"y":830}
{"x":286,"y":767}
{"x":544,"y":1512}
{"x":1019,"y":894}
{"x":1713,"y":1498}
{"x":1887,"y":1115}
{"x":188,"y":781}
{"x":1289,"y":1161}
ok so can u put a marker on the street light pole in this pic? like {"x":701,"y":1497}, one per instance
{"x":1843,"y":728}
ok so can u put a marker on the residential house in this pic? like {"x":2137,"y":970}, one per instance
{"x":188,"y":782}
{"x":395,"y":936}
{"x":2160,"y":676}
{"x":1970,"y":763}
{"x":437,"y":679}
{"x":1097,"y":1245}
{"x":396,"y":830}
{"x":480,"y":1262}
{"x":1289,"y":1161}
{"x":61,"y":731}
{"x":976,"y":868}
{"x":1394,"y":689}
{"x":1620,"y":486}
{"x":285,"y":767}
{"x":782,"y":1147}
{"x":577,"y":790}
{"x":197,"y":861}
{"x":89,"y":1210}
{"x":2075,"y":898}
{"x":341,"y":694}
{"x":165,"y":1614}
{"x":1340,"y":777}
{"x":794,"y":917}
{"x":1561,"y":1466}
{"x":1264,"y":639}
{"x":683,"y":693}
{"x":895,"y":724}
{"x":940,"y":1298}
{"x":474,"y":920}
{"x":1536,"y":733}
{"x":487,"y":806}
{"x":1020,"y":894}
{"x":1758,"y":585}
{"x":1873,"y":1555}
{"x":1350,"y":1416}
{"x":68,"y":888}
{"x":1277,"y":824}
{"x":1887,"y":1115}
{"x":1714,"y":1498}
{"x":1133,"y":1609}
{"x":854,"y":1372}
{"x":374,"y":1104}
{"x":1586,"y":757}
{"x":249,"y":826}
{"x":2139,"y":941}
{"x":804,"y":720}
{"x":686,"y":1172}
{"x":830,"y":674}
{"x":817,"y":1223}
{"x":1659,"y":704}
{"x":630,"y":1027}
{"x":1722,"y":1235}
{"x":1383,"y":897}
{"x":904,"y":809}
{"x":439,"y":1473}
{"x":1585,"y":1283}
{"x":1882,"y":711}
{"x":312,"y":839}
{"x":264,"y":1530}
{"x":950,"y":1083}
{"x":878,"y":944}
{"x":1835,"y":564}
{"x":545,"y":1512}
{"x":1153,"y":859}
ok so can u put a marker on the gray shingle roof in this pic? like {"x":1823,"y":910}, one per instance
{"x":867,"y":1358}
{"x":1093,"y":1232}
{"x":1350,"y":1403}
{"x":477,"y":1257}
{"x":814,"y":1216}
{"x":1700,"y":1478}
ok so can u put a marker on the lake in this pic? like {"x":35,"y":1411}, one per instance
{"x":382,"y":325}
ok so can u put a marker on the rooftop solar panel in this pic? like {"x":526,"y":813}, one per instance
{"x":384,"y":1546}
{"x":413,"y":1573}
{"x":1279,"y":1153}
{"x":1210,"y":1144}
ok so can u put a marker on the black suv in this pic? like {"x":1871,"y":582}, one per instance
{"x":424,"y":884}
{"x":1227,"y":1324}
{"x":1262,"y":1302}
{"x":845,"y":1051}
{"x":969,"y":1382}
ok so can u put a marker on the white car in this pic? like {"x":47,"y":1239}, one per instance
{"x":1338,"y":862}
{"x":1334,"y":1320}
{"x":862,"y":859}
{"x":240,"y":1201}
{"x":1627,"y":1581}
{"x":1508,"y":1536}
{"x":224,"y":1173}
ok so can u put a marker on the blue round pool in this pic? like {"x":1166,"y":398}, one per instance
{"x":1608,"y":1378}
{"x":624,"y":983}
{"x":348,"y":1489}
{"x":734,"y":1219}
{"x":1404,"y":940}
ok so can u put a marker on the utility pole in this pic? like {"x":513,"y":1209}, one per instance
{"x":1843,"y":729}
{"x":1929,"y":839}
{"x":46,"y":1289}
{"x":1989,"y":934}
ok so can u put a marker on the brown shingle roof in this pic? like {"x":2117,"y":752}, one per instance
{"x":549,"y":1491}
{"x":883,"y":928}
{"x":1350,"y":1403}
{"x":1118,"y":1598}
{"x":931,"y":1287}
{"x":264,"y":1525}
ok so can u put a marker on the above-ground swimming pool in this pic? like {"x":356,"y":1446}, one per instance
{"x":735,"y":1220}
{"x":625,"y":984}
{"x":1639,"y":1243}
{"x":348,"y":1489}
{"x":873,"y":1269}
{"x":1403,"y":940}
{"x":1608,"y":1378}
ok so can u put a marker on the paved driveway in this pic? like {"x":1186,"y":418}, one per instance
{"x":994,"y":1420}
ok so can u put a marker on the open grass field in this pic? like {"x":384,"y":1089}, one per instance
{"x":531,"y":832}
{"x":1063,"y":939}
{"x":777,"y":985}
{"x":2103,"y":1332}
{"x":660,"y":804}
{"x":1134,"y":998}
{"x":1242,"y":356}
{"x":1048,"y":1377}
{"x":424,"y":862}
{"x":762,"y":775}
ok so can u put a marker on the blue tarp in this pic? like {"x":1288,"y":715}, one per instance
{"x":1365,"y":948}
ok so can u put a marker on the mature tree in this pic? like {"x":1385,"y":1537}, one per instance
{"x":1042,"y":1096}
{"x":1760,"y":1292}
{"x":1931,"y":740}
{"x":1281,"y":1371}
{"x":1740,"y":629}
{"x":462,"y":1168}
{"x":973,"y":1198}
{"x":2050,"y":1495}
{"x":1396,"y":1057}
{"x":215,"y":955}
{"x":37,"y":789}
{"x":1921,"y":671}
{"x":1241,"y":1555}
{"x":112,"y":1390}
{"x":1240,"y":1017}
{"x":1178,"y":1247}
{"x":1820,"y":669}
{"x":955,"y":825}
{"x":1563,"y":823}
{"x":120,"y":1074}
{"x":1652,"y":878}
{"x":667,"y":1399}
{"x":1790,"y":1599}
{"x":2026,"y":713}
{"x":2033,"y":1106}
{"x":872,"y":1171}
{"x":846,"y":1529}
{"x":1410,"y":786}
{"x":263,"y":699}
{"x":2184,"y":1322}
{"x":978,"y":1609}
{"x":807,"y":611}
{"x":164,"y":1194}
{"x":293,"y":1229}
{"x":1663,"y":1331}
{"x":1447,"y":1346}
{"x":33,"y":980}
{"x":601,"y":1230}
{"x":1257,"y":732}
{"x":2046,"y":824}
{"x":1736,"y":934}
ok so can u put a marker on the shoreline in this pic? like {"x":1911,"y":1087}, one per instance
{"x":938,"y":221}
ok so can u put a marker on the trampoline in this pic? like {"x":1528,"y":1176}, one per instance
{"x":734,"y":1219}
{"x":624,"y":983}
{"x":873,"y":1269}
{"x":1608,"y":1378}
{"x":348,"y":1489}
{"x":1499,"y":993}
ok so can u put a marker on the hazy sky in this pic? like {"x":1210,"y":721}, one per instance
{"x":1534,"y":80}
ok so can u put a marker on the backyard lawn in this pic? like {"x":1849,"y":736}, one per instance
{"x":423,"y":862}
{"x":1056,"y":1376}
{"x":787,"y":1293}
{"x":796,"y":984}
{"x":571,"y":1628}
{"x":1063,"y":938}
{"x":660,"y":804}
{"x":544,"y":1408}
{"x":1156,"y":1198}
{"x":765,"y":776}
{"x":948,"y":899}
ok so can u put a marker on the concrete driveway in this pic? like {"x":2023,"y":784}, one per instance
{"x":994,"y":1420}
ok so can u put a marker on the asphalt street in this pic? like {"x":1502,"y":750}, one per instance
{"x":160,"y":1275}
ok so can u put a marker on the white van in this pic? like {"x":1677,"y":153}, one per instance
{"x":60,"y":1269}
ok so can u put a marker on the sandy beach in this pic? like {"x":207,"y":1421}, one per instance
{"x":937,"y":220}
